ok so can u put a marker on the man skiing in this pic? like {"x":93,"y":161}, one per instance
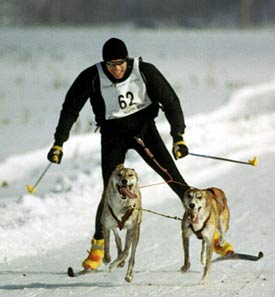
{"x":125,"y":95}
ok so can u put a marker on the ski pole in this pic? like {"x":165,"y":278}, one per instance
{"x":253,"y":162}
{"x":32,"y":189}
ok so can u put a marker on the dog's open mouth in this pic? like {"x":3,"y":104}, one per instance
{"x":193,"y":215}
{"x":126,"y":191}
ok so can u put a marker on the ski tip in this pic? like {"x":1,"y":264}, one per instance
{"x":70,"y":272}
{"x":260,"y":255}
{"x":240,"y":256}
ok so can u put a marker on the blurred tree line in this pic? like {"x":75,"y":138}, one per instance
{"x":142,"y":13}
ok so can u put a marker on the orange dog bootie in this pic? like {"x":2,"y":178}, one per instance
{"x":225,"y":250}
{"x":96,"y":254}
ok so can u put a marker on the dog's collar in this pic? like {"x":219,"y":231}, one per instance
{"x":198,"y":233}
{"x":125,"y":217}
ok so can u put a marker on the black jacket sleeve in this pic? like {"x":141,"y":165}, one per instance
{"x":75,"y":99}
{"x":160,"y":90}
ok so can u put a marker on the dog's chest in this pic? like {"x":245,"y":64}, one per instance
{"x":124,"y":216}
{"x":200,"y":229}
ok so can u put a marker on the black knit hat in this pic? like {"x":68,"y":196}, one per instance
{"x":114,"y":49}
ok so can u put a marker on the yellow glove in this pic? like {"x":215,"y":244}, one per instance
{"x":55,"y":154}
{"x":180,"y":149}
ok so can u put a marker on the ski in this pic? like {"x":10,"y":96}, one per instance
{"x":72,"y":273}
{"x":234,"y":256}
{"x":240,"y":256}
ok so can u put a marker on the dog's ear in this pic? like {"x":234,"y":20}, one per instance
{"x":189,"y":190}
{"x":211,"y":190}
{"x":119,"y":166}
{"x":135,"y":173}
{"x":192,"y":188}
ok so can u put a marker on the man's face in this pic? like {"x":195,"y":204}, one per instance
{"x":117,"y":68}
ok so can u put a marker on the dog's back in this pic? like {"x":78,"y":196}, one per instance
{"x":219,"y":204}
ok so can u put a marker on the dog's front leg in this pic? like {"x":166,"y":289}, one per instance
{"x":107,"y":257}
{"x":120,"y":260}
{"x":118,"y":242}
{"x":185,"y":242}
{"x":208,"y":255}
{"x":118,"y":246}
{"x":135,"y":239}
{"x":204,"y":252}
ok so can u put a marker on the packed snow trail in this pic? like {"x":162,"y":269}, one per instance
{"x":159,"y":255}
{"x":43,"y":234}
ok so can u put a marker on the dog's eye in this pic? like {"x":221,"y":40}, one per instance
{"x":119,"y":175}
{"x":130,"y":175}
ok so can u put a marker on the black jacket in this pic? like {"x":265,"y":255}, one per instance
{"x":87,"y":85}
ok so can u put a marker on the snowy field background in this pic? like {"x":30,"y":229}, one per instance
{"x":226,"y":83}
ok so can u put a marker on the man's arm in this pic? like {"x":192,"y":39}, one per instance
{"x":75,"y":99}
{"x":160,"y":90}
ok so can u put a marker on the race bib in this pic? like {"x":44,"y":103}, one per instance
{"x":124,"y":98}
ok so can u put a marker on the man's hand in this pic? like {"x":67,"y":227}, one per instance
{"x":55,"y":154}
{"x":180,"y":149}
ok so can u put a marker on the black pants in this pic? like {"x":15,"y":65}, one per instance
{"x":113,"y":152}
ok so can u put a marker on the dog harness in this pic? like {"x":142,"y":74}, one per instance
{"x":125,"y":217}
{"x":126,"y":97}
{"x":198,"y":233}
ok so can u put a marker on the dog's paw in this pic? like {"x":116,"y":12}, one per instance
{"x":221,"y":241}
{"x":121,"y":264}
{"x":112,"y":267}
{"x":185,"y":268}
{"x":129,"y":278}
{"x":204,"y":281}
{"x":107,"y":259}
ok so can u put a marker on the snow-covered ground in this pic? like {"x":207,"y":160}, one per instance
{"x":226,"y":82}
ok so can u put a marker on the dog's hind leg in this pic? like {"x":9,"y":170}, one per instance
{"x":130,"y":270}
{"x":222,"y":228}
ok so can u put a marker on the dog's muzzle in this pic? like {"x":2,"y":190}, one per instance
{"x":126,"y":191}
{"x":193,"y":213}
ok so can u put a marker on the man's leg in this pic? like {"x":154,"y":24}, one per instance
{"x":112,"y":153}
{"x":154,"y":143}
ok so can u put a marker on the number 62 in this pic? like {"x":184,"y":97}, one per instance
{"x":125,"y":101}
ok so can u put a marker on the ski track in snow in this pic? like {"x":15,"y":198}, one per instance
{"x":42,"y":234}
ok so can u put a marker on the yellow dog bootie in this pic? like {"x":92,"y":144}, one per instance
{"x":225,"y":250}
{"x":96,"y":254}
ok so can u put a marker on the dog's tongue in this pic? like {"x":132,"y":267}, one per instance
{"x":193,"y":217}
{"x":128,"y":193}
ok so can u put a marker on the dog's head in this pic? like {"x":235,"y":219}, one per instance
{"x":125,"y":181}
{"x":194,"y":202}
